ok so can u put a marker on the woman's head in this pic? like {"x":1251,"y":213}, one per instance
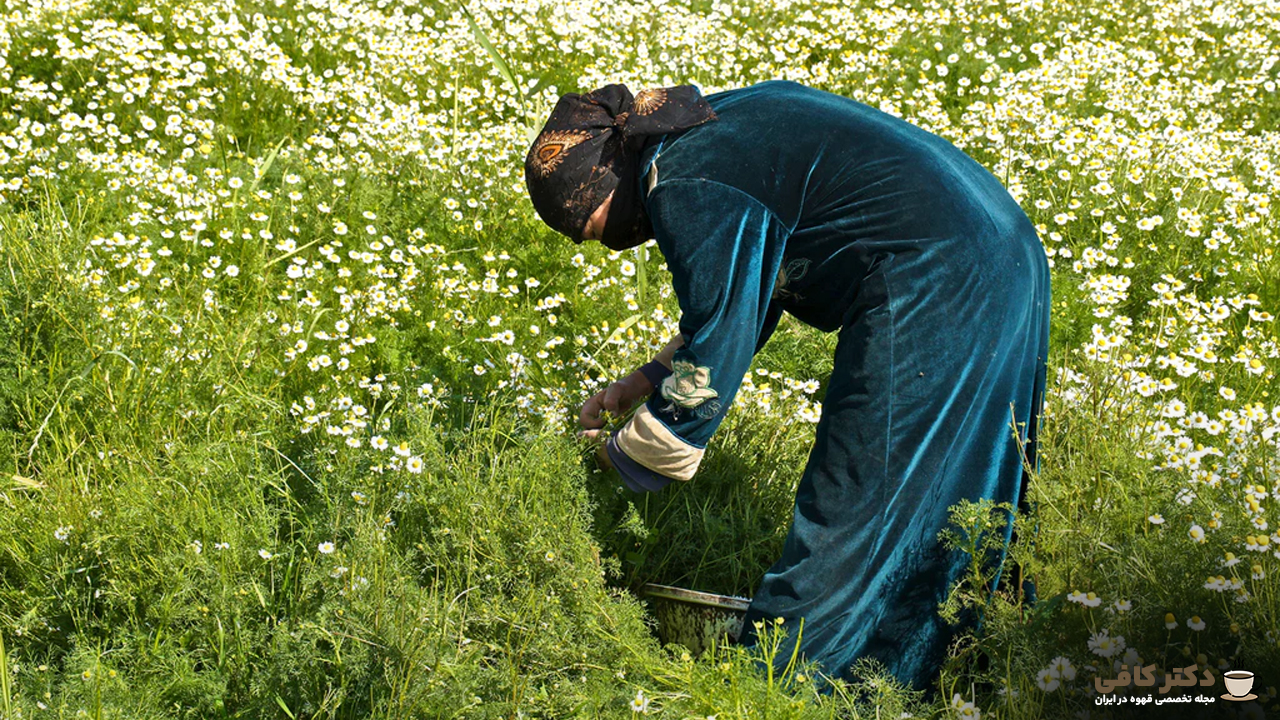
{"x":584,"y":163}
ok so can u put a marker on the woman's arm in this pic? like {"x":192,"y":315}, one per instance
{"x":723,"y":248}
{"x":657,"y":369}
{"x":622,"y":394}
{"x":637,"y":477}
{"x":669,"y":351}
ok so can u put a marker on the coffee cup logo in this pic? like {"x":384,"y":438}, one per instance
{"x":1239,"y":683}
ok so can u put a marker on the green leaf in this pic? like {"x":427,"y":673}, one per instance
{"x":617,"y":332}
{"x":494,"y":55}
{"x":642,"y":276}
{"x":266,"y":165}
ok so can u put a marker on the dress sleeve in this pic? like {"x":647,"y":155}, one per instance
{"x":771,"y":318}
{"x":723,"y":248}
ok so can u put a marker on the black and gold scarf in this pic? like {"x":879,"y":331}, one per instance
{"x":590,"y":146}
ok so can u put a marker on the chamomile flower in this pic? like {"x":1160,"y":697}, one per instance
{"x":1087,"y":599}
{"x":640,"y":704}
{"x":1104,"y":645}
{"x":1047,"y":681}
{"x":1061,"y":667}
{"x":964,"y":708}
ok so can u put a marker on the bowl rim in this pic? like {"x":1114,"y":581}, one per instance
{"x":695,"y":597}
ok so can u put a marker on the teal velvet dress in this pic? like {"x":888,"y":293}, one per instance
{"x":938,"y":286}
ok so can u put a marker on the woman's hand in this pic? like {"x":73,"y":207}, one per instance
{"x":602,"y":451}
{"x":615,"y":399}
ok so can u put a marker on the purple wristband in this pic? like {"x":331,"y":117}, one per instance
{"x":655,"y":372}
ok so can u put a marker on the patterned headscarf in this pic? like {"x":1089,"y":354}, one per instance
{"x":590,"y":146}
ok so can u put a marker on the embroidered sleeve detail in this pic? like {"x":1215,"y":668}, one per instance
{"x":688,"y":385}
{"x":648,"y":442}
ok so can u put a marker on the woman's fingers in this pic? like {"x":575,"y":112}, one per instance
{"x":601,"y":452}
{"x":589,"y":416}
{"x":617,"y":399}
{"x":602,"y":457}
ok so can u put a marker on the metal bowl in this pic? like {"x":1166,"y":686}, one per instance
{"x":695,"y":619}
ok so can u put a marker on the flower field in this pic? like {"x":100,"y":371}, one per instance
{"x":289,"y":368}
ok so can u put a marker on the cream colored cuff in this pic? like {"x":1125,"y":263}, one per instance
{"x":647,"y":441}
